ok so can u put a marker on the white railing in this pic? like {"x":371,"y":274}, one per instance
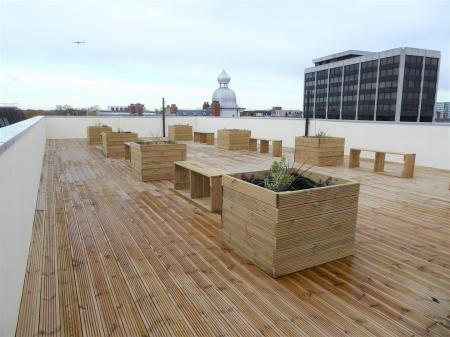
{"x":22,"y":147}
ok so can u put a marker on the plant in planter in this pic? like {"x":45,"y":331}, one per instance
{"x":287,"y":219}
{"x":320,"y":149}
{"x":113,"y":142}
{"x":154,"y":159}
{"x":94,"y":133}
{"x":281,"y":177}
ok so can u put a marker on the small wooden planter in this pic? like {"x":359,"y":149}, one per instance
{"x":94,"y":134}
{"x":233,"y":139}
{"x":113,"y":143}
{"x":155,"y":161}
{"x":325,"y":151}
{"x":180,"y":132}
{"x":289,"y":231}
{"x":204,"y":137}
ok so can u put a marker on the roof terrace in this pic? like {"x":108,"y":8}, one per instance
{"x":108,"y":255}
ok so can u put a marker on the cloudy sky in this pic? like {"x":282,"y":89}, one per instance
{"x":140,"y":51}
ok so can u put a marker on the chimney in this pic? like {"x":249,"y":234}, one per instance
{"x":215,"y":108}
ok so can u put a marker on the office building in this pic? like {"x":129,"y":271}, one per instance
{"x":442,"y":110}
{"x":394,"y":85}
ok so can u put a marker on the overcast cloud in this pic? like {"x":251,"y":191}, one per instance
{"x":140,"y":51}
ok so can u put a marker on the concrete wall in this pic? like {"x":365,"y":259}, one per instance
{"x":22,"y":148}
{"x":430,"y":142}
{"x":62,"y":127}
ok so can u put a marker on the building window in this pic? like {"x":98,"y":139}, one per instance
{"x":429,"y":89}
{"x":367,"y":90}
{"x":411,"y":88}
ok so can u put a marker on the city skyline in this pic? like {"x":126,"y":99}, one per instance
{"x":176,"y":50}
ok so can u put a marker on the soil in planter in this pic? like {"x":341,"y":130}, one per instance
{"x":155,"y":142}
{"x":300,"y":182}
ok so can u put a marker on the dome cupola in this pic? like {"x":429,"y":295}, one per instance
{"x":223,"y":78}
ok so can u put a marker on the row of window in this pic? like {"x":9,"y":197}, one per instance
{"x":412,"y":59}
{"x":390,"y":60}
{"x":369,"y":75}
{"x":367,"y":97}
{"x":387,"y":95}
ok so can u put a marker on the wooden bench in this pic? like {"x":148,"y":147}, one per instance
{"x":380,"y":156}
{"x":204,"y":137}
{"x":200,"y":183}
{"x":277,"y":146}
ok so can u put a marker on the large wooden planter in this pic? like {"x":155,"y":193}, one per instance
{"x":325,"y":151}
{"x":233,"y":139}
{"x":113,"y":143}
{"x":94,"y":134}
{"x":180,"y":132}
{"x":155,"y":161}
{"x":289,"y":231}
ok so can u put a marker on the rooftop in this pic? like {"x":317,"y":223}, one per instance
{"x":340,"y":56}
{"x":86,"y":249}
{"x":112,"y":256}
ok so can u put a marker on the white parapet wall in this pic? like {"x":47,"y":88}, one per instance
{"x":22,"y":147}
{"x":63,"y":127}
{"x":430,"y":142}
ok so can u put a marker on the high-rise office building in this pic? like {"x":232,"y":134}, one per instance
{"x":394,"y":85}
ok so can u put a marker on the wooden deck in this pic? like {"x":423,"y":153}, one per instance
{"x":111,"y":256}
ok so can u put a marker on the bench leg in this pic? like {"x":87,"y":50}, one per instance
{"x":354,"y":158}
{"x":181,"y":178}
{"x":379,"y":161}
{"x":408,"y":166}
{"x":216,"y":194}
{"x":264,"y":146}
{"x":277,"y":148}
{"x":210,"y":139}
{"x":199,"y":185}
{"x":252,"y":144}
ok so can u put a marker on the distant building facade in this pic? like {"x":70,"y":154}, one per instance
{"x":133,"y":108}
{"x":276,"y":111}
{"x":442,"y":110}
{"x":394,"y":85}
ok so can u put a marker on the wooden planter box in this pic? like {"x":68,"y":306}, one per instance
{"x":155,"y":161}
{"x":284,"y":232}
{"x":233,"y":139}
{"x":327,"y":151}
{"x":204,"y":137}
{"x":180,"y":132}
{"x":113,"y":143}
{"x":94,"y":134}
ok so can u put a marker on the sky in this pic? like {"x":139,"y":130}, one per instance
{"x":141,"y":51}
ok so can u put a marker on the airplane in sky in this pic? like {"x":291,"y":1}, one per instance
{"x":79,"y":42}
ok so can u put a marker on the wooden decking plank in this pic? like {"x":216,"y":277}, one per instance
{"x":112,"y":256}
{"x":198,"y":244}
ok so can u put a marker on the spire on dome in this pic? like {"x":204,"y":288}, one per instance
{"x":223,"y":78}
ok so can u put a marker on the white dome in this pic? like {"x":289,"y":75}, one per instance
{"x":226,"y":98}
{"x":223,"y":78}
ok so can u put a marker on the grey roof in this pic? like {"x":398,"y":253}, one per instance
{"x":194,"y":112}
{"x":341,"y":54}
